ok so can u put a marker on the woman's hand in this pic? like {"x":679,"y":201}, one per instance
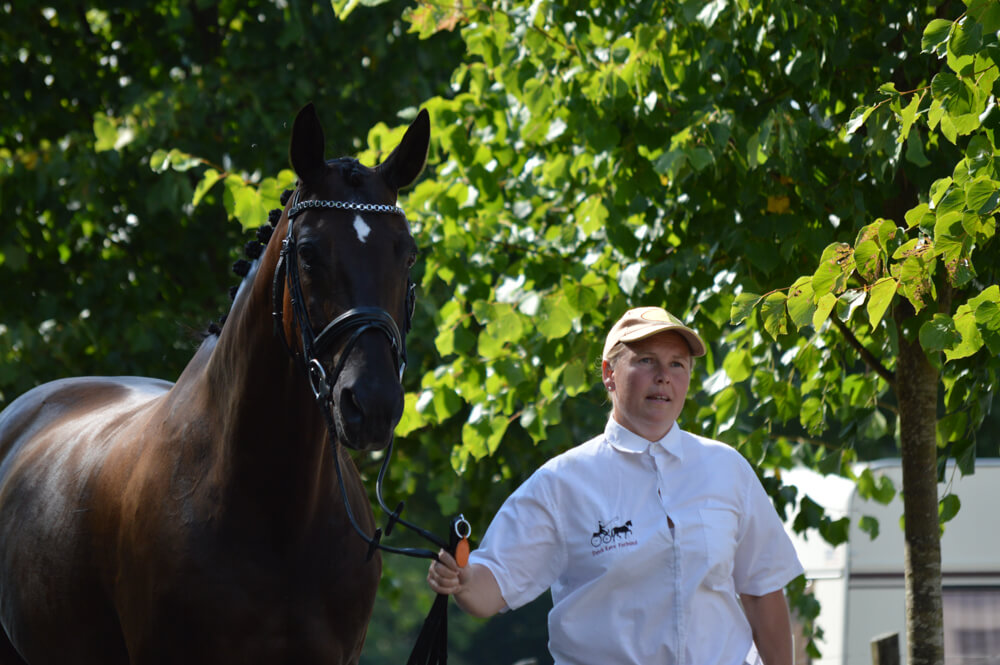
{"x":444,"y":575}
{"x":475,"y":589}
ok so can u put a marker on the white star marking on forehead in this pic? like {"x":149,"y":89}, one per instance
{"x":362,"y":228}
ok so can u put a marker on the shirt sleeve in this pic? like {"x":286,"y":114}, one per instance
{"x":522,"y":546}
{"x":765,"y":559}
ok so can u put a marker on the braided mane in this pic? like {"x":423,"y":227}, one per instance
{"x":254,"y":248}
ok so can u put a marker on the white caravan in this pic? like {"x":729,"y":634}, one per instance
{"x":860,"y":584}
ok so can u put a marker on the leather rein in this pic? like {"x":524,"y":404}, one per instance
{"x":351,"y":324}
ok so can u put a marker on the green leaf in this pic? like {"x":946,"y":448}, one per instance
{"x":738,"y":365}
{"x":105,"y":132}
{"x":773,"y":312}
{"x":506,"y":325}
{"x":411,"y":420}
{"x":882,"y":293}
{"x":946,"y":86}
{"x":986,"y":306}
{"x":208,"y":178}
{"x":907,"y":116}
{"x":916,"y":216}
{"x":835,"y":532}
{"x":801,"y":302}
{"x":915,"y":275}
{"x":953,"y":201}
{"x":182,"y":161}
{"x":811,"y":416}
{"x":591,"y":214}
{"x":868,"y":257}
{"x":555,"y":319}
{"x":981,"y":195}
{"x":343,"y":8}
{"x":243,"y":203}
{"x":850,"y":301}
{"x":159,"y":161}
{"x":858,"y":118}
{"x":835,"y":267}
{"x":948,"y":507}
{"x":742,"y":307}
{"x":938,"y":189}
{"x":971,"y":340}
{"x":935,"y":37}
{"x":698,"y":157}
{"x":869,"y":525}
{"x":823,"y":308}
{"x":575,"y":379}
{"x":938,"y":334}
{"x":889,"y":89}
{"x":987,"y":13}
{"x":965,"y":41}
{"x":877,"y":488}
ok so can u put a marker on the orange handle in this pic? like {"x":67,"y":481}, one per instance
{"x":462,"y":553}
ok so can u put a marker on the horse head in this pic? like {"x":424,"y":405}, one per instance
{"x":344,"y":289}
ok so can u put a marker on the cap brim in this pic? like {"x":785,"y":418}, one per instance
{"x":690,"y":336}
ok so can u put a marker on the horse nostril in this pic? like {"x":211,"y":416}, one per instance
{"x":350,"y":408}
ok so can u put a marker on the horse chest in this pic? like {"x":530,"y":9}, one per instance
{"x":256,"y":604}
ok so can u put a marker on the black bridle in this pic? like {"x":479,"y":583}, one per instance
{"x":350,"y":325}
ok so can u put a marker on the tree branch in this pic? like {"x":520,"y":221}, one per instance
{"x":865,"y":354}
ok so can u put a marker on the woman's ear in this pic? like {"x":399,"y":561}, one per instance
{"x":607,"y":375}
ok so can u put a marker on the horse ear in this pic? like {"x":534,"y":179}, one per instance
{"x":306,"y":148}
{"x":405,"y":163}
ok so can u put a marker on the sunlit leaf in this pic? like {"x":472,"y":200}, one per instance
{"x":743,"y":306}
{"x":935,"y":37}
{"x":879,"y":299}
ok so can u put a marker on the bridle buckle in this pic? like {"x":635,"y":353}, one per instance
{"x":317,"y":380}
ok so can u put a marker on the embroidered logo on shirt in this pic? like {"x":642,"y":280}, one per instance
{"x":612,"y":534}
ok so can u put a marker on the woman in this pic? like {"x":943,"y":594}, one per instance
{"x":659,"y":546}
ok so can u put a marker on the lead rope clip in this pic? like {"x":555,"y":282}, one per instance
{"x":463,"y":530}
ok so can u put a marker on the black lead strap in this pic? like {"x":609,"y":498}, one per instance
{"x":432,"y":642}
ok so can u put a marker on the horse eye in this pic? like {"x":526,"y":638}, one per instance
{"x":308,"y":255}
{"x":410,"y":260}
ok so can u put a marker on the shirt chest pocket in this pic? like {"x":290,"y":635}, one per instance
{"x":720,"y":526}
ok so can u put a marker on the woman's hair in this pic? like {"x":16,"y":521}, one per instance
{"x":615,"y":353}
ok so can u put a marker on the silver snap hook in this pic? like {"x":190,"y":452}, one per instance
{"x":462,"y":527}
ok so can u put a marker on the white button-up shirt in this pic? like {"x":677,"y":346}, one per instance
{"x":645,"y":546}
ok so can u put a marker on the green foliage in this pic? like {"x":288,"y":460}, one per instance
{"x":806,"y":185}
{"x":119,"y":125}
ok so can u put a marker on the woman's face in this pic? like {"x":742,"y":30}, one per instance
{"x":648,"y":384}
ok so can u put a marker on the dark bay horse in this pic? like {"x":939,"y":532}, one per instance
{"x":202,"y":522}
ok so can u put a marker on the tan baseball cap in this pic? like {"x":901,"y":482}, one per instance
{"x":643,"y":322}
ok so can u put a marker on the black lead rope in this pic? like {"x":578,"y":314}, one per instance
{"x":431,"y":647}
{"x":432,"y":642}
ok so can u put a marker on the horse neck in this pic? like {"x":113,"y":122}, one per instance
{"x":271,"y":442}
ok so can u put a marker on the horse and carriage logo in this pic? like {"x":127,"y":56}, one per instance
{"x":610,"y":532}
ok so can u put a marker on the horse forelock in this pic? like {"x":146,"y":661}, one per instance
{"x":350,"y":169}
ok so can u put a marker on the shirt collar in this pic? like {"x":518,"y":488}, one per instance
{"x":627,"y":441}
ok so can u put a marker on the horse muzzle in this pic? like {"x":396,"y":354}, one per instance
{"x":366,"y":410}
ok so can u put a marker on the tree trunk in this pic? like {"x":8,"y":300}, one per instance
{"x":916,"y":388}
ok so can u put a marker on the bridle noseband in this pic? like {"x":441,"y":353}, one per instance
{"x":350,"y":325}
